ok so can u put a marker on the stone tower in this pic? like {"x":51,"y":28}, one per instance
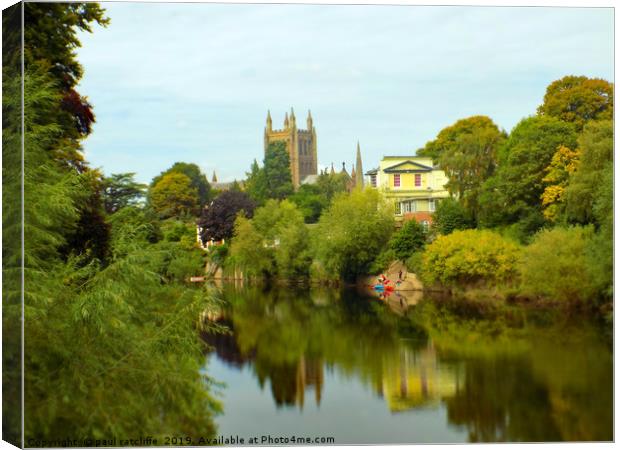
{"x":301,"y":145}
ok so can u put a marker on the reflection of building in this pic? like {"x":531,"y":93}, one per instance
{"x":415,"y":379}
{"x":289,"y":382}
{"x":412,"y":183}
{"x":301,"y":145}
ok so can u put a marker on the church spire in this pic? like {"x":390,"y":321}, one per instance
{"x":214,"y":178}
{"x":293,"y":120}
{"x":309,"y":121}
{"x":269,"y":123}
{"x":359,"y":171}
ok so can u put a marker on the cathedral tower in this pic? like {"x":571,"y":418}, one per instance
{"x":301,"y":145}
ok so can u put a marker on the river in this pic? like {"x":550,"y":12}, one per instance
{"x":337,"y":363}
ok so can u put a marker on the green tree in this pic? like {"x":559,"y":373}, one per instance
{"x":120,"y":190}
{"x":555,"y":266}
{"x":579,"y":99}
{"x":277,"y":171}
{"x":449,"y":216}
{"x":467,"y":152}
{"x":409,"y":239}
{"x":174,"y":196}
{"x":192,"y":171}
{"x":310,"y":201}
{"x":596,"y":146}
{"x":255,"y":184}
{"x":513,"y":194}
{"x":352,"y":232}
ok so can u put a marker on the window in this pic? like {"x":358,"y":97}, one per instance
{"x":397,"y":209}
{"x":418,"y":180}
{"x":431,"y":204}
{"x":396,"y":180}
{"x":373,"y":180}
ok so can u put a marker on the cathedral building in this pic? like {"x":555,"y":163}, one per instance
{"x":301,"y":145}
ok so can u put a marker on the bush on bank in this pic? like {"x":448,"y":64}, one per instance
{"x":469,"y":256}
{"x":556,"y":266}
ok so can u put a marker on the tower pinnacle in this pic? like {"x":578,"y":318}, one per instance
{"x":269,"y":123}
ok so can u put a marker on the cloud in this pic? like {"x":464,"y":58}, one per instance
{"x":193,"y":81}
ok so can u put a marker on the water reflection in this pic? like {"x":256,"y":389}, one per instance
{"x":490,"y":382}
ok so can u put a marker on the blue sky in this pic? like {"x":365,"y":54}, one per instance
{"x":193,"y":82}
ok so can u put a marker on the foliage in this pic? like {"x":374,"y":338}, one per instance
{"x":174,"y":196}
{"x":513,"y":194}
{"x":310,"y":201}
{"x":50,"y":43}
{"x":383,"y":261}
{"x":279,"y":232}
{"x":449,"y":216}
{"x":469,"y":256}
{"x":132,"y":228}
{"x":100,"y":338}
{"x":410,"y":238}
{"x":274,"y":179}
{"x":579,"y":99}
{"x":564,"y":162}
{"x":248,"y":250}
{"x":467,"y":152}
{"x":331,"y":185}
{"x":414,"y":262}
{"x":585,"y":185}
{"x":352,"y":232}
{"x":120,"y":190}
{"x":555,"y":265}
{"x":198,"y":179}
{"x":217,"y":220}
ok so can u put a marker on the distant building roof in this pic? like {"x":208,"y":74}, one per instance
{"x":310,"y":179}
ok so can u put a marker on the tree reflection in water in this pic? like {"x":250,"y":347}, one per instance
{"x":501,"y":380}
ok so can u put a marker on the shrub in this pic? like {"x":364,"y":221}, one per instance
{"x":414,"y":263}
{"x":449,"y":216}
{"x":411,"y":237}
{"x":383,"y":261}
{"x":555,"y":265}
{"x":469,"y":256}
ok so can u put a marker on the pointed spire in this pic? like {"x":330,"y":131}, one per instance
{"x":359,"y":171}
{"x":309,"y":121}
{"x":214,"y":178}
{"x":344,"y":169}
{"x":269,"y":123}
{"x":292,"y":120}
{"x":285,"y":120}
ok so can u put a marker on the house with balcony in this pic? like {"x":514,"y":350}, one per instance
{"x":412,"y":183}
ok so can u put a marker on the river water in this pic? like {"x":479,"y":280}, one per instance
{"x":329,"y":363}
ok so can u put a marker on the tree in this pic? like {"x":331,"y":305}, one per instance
{"x":563,"y":163}
{"x":218,"y":219}
{"x":255,"y":184}
{"x":467,"y":152}
{"x":409,"y":239}
{"x":193,"y":172}
{"x":352,"y":232}
{"x":596,"y":147}
{"x":310,"y":201}
{"x":120,"y":190}
{"x":277,"y":171}
{"x":513,"y":194}
{"x":174,"y":196}
{"x":578,"y":99}
{"x":274,"y":242}
{"x":449,"y":216}
{"x":50,"y":39}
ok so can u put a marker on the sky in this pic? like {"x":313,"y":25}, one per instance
{"x":193,"y":82}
